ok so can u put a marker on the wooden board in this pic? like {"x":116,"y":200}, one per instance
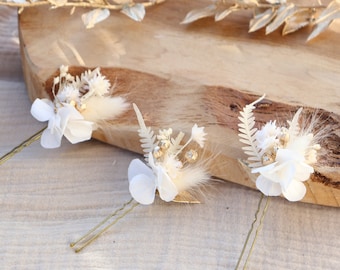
{"x":203,"y":73}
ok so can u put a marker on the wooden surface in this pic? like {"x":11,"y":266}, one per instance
{"x":202,"y":73}
{"x":48,"y":198}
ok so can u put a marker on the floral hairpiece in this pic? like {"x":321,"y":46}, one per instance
{"x":79,"y":104}
{"x":281,"y":155}
{"x":171,"y":167}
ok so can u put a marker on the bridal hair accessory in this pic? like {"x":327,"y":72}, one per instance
{"x":172,"y":170}
{"x":281,"y":155}
{"x":171,"y":167}
{"x":79,"y":105}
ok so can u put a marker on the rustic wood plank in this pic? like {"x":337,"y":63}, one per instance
{"x":205,"y":73}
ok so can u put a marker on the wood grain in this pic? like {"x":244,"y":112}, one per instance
{"x":202,"y":73}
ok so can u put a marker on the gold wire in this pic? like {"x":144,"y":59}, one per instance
{"x":87,"y":239}
{"x":250,"y":232}
{"x":257,"y":232}
{"x":21,"y":146}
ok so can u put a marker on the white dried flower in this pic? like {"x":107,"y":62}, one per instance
{"x":198,"y":135}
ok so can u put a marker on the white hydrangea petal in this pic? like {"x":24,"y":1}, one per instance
{"x":262,"y":169}
{"x":284,"y":155}
{"x":78,"y":131}
{"x":268,"y":187}
{"x":303,"y":172}
{"x":285,"y":174}
{"x":166,"y":188}
{"x":51,"y":138}
{"x":295,"y":191}
{"x":138,"y":167}
{"x":42,"y":109}
{"x":142,"y":189}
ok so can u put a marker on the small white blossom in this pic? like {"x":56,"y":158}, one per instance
{"x":197,"y":135}
{"x":266,"y":137}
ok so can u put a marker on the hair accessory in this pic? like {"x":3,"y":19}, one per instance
{"x":281,"y":155}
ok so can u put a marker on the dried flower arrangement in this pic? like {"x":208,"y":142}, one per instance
{"x":79,"y":104}
{"x":270,"y":14}
{"x":281,"y":155}
{"x":172,"y":170}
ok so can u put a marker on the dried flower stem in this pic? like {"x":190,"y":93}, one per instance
{"x":21,"y":146}
{"x":95,"y":232}
{"x":105,"y":5}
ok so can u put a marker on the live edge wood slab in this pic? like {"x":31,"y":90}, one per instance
{"x":201,"y":73}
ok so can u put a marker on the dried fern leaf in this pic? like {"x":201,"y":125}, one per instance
{"x":247,"y":132}
{"x":146,"y":134}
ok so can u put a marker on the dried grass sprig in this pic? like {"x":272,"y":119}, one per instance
{"x":272,"y":14}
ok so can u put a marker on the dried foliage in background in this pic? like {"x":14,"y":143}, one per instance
{"x":135,"y":9}
{"x":271,"y":14}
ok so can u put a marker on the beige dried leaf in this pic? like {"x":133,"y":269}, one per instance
{"x":320,"y":27}
{"x":298,"y":20}
{"x":94,"y":16}
{"x":197,"y":14}
{"x":220,"y":15}
{"x":262,"y":19}
{"x":326,"y":17}
{"x":185,"y":197}
{"x":282,"y":14}
{"x":330,"y":13}
{"x":135,"y":12}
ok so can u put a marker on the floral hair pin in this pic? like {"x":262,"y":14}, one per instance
{"x":79,"y":104}
{"x":172,"y":170}
{"x":281,"y":155}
